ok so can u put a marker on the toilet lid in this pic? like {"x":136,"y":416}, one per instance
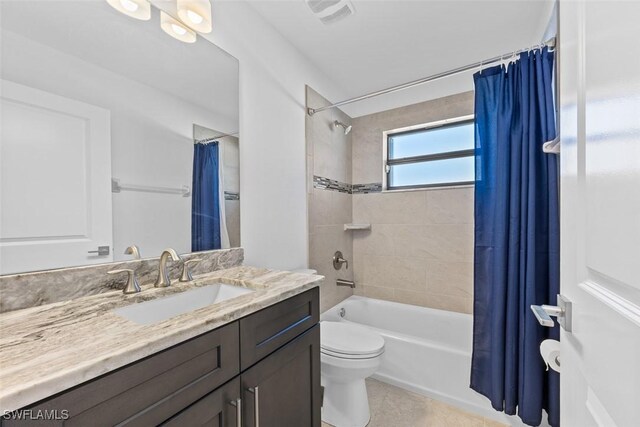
{"x":349,"y":339}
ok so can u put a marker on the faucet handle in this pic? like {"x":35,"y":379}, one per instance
{"x":186,"y":273}
{"x":132,"y":285}
{"x":338,"y":260}
{"x":133,"y":250}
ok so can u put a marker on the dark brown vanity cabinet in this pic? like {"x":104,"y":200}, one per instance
{"x":220,"y":408}
{"x":284,"y":388}
{"x":260,"y":371}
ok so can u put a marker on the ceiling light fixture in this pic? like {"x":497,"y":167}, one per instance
{"x":196,"y":14}
{"x":176,"y":29}
{"x":138,"y":9}
{"x":330,"y":11}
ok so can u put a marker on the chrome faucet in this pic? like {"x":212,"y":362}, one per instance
{"x":163,"y":279}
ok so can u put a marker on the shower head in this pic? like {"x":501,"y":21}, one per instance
{"x":346,"y":128}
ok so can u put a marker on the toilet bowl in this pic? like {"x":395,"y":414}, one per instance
{"x":348,"y":354}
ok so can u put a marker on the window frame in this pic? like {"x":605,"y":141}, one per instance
{"x":387,"y":162}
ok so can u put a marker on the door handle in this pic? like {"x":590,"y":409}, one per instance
{"x":102,"y":251}
{"x":562,"y":312}
{"x":238,"y":405}
{"x":256,"y":405}
{"x":544,"y":312}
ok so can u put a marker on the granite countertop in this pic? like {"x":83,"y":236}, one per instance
{"x":50,"y":348}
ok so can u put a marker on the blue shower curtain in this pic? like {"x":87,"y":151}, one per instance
{"x":205,"y":204}
{"x":516,"y":236}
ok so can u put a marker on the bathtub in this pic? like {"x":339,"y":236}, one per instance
{"x":427,"y":351}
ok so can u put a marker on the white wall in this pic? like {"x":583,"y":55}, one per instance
{"x":152,"y":139}
{"x":546,"y":27}
{"x":273,"y":75}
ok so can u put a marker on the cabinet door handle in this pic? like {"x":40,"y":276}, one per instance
{"x":238,"y":405}
{"x":256,"y":405}
{"x":101,"y":251}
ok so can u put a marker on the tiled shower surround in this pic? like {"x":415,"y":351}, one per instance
{"x":329,"y":203}
{"x":420,"y":246}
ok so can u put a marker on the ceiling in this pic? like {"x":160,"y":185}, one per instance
{"x":200,"y":73}
{"x":390,"y":42}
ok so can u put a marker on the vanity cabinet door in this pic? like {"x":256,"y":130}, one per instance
{"x":265,"y":331}
{"x":284,"y":388}
{"x":217,"y":409}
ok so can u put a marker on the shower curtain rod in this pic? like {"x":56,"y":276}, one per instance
{"x":215,"y":138}
{"x":549,"y":43}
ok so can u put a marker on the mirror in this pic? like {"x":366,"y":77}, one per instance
{"x":101,"y":115}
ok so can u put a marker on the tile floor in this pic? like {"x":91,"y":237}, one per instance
{"x":394,"y":407}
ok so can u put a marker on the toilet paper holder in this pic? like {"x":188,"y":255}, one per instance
{"x":562,"y":312}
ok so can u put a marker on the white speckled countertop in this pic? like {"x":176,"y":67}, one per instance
{"x":50,"y":348}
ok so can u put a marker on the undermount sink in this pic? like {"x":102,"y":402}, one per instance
{"x":148,"y":312}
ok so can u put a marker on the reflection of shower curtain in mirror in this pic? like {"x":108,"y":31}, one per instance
{"x":208,"y":225}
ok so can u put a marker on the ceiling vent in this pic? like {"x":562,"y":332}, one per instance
{"x":330,"y":11}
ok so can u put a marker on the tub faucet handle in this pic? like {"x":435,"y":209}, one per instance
{"x":338,"y":260}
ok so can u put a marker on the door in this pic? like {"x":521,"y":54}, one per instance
{"x":220,"y":408}
{"x":55,"y":187}
{"x":284,"y":388}
{"x":600,"y":212}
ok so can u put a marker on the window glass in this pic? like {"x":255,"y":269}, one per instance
{"x":433,"y":156}
{"x":431,"y":141}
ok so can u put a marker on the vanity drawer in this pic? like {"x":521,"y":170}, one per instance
{"x":155,"y":388}
{"x":267,"y":330}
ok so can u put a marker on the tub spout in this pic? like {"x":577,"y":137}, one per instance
{"x":349,"y":283}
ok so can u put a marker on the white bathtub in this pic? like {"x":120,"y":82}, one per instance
{"x":427,"y":351}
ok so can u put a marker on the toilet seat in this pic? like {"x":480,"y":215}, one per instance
{"x":347,"y":341}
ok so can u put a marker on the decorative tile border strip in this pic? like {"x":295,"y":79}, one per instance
{"x":343,"y":187}
{"x":374,"y":187}
{"x":331,"y":184}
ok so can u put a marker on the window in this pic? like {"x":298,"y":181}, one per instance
{"x":435,"y":155}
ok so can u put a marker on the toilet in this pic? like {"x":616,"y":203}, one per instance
{"x":348,"y":354}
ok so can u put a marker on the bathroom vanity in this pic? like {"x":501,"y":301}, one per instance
{"x":253,"y":360}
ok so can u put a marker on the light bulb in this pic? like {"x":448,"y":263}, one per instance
{"x":129,"y":5}
{"x":194,"y":17}
{"x":196,"y":14}
{"x":138,"y":9}
{"x":178,"y":30}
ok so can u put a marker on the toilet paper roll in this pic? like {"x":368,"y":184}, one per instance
{"x":550,"y":352}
